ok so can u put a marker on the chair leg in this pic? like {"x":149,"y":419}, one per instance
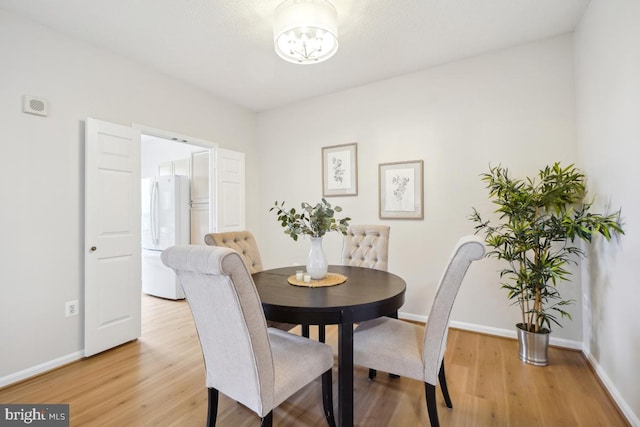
{"x":443,"y":386}
{"x":267,"y":421}
{"x":430,"y":392}
{"x":212,"y":413}
{"x":327,"y":397}
{"x":372,"y":373}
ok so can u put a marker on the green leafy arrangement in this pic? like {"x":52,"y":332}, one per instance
{"x":539,"y":223}
{"x":315,"y":221}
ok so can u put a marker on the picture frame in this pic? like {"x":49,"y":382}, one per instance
{"x":401,"y":193}
{"x":340,"y":170}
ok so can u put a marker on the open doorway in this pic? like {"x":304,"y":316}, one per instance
{"x":162,"y":157}
{"x":175,"y":205}
{"x":216,"y":200}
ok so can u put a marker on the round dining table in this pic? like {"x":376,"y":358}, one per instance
{"x":366,"y":294}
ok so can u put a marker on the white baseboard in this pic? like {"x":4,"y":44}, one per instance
{"x":412,"y":317}
{"x":613,"y":391}
{"x":39,"y":369}
{"x":511,"y":333}
{"x":507,"y":333}
{"x":559,"y":342}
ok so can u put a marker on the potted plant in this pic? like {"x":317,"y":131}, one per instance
{"x":541,"y":223}
{"x":314,"y":221}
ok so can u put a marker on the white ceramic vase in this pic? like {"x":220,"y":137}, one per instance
{"x":317,"y":264}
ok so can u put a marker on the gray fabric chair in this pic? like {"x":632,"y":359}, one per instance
{"x":245,"y":244}
{"x":366,"y":246}
{"x":249,"y":363}
{"x":411,"y":350}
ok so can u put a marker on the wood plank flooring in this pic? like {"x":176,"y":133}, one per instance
{"x":158,"y":380}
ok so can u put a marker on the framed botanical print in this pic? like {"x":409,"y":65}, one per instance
{"x":401,"y":190}
{"x":340,"y":170}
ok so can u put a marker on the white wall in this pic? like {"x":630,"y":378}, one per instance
{"x":608,"y":124}
{"x":514,"y":107}
{"x":42,"y":172}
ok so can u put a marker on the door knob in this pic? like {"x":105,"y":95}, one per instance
{"x":93,"y":248}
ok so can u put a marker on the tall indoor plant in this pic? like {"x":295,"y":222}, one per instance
{"x":541,"y":221}
{"x":314,"y":221}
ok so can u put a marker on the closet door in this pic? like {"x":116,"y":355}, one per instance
{"x":165,"y":169}
{"x":227,"y":211}
{"x":182,"y":167}
{"x":199,"y":223}
{"x":200,"y":177}
{"x":200,"y":206}
{"x":230,"y":191}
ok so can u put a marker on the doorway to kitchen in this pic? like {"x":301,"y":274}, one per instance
{"x":176,"y":179}
{"x":189,"y":188}
{"x":175,"y":206}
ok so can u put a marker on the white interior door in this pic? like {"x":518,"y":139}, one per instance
{"x":112,"y":287}
{"x":230,"y":189}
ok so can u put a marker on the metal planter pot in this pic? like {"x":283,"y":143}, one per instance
{"x":532,"y":347}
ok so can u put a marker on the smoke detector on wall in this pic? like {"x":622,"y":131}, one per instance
{"x":33,"y":105}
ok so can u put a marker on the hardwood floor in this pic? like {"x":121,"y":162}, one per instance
{"x":158,"y":380}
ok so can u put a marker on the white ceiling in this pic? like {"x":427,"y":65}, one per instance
{"x":226,"y":46}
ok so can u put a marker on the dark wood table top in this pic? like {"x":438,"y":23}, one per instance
{"x":367,"y":294}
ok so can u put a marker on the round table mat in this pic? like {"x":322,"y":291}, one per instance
{"x":331,"y":279}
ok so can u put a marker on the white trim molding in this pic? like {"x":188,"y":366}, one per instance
{"x":611,"y":388}
{"x":489,"y":330}
{"x":39,"y":369}
{"x":165,"y":134}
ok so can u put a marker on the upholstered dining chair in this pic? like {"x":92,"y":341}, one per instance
{"x":413,"y":351}
{"x":245,"y":244}
{"x":242,"y":242}
{"x":257,"y":366}
{"x":366,"y":246}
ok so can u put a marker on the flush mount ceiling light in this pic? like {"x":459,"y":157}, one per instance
{"x":305,"y":31}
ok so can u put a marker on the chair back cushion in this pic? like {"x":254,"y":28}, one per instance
{"x":467,"y":250}
{"x":230,"y":322}
{"x":241,"y":241}
{"x":366,"y":246}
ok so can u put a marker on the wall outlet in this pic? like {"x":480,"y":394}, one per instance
{"x":71,"y":308}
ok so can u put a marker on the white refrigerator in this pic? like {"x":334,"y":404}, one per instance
{"x":165,"y":223}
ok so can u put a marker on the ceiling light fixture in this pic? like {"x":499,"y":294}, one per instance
{"x":305,"y":31}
